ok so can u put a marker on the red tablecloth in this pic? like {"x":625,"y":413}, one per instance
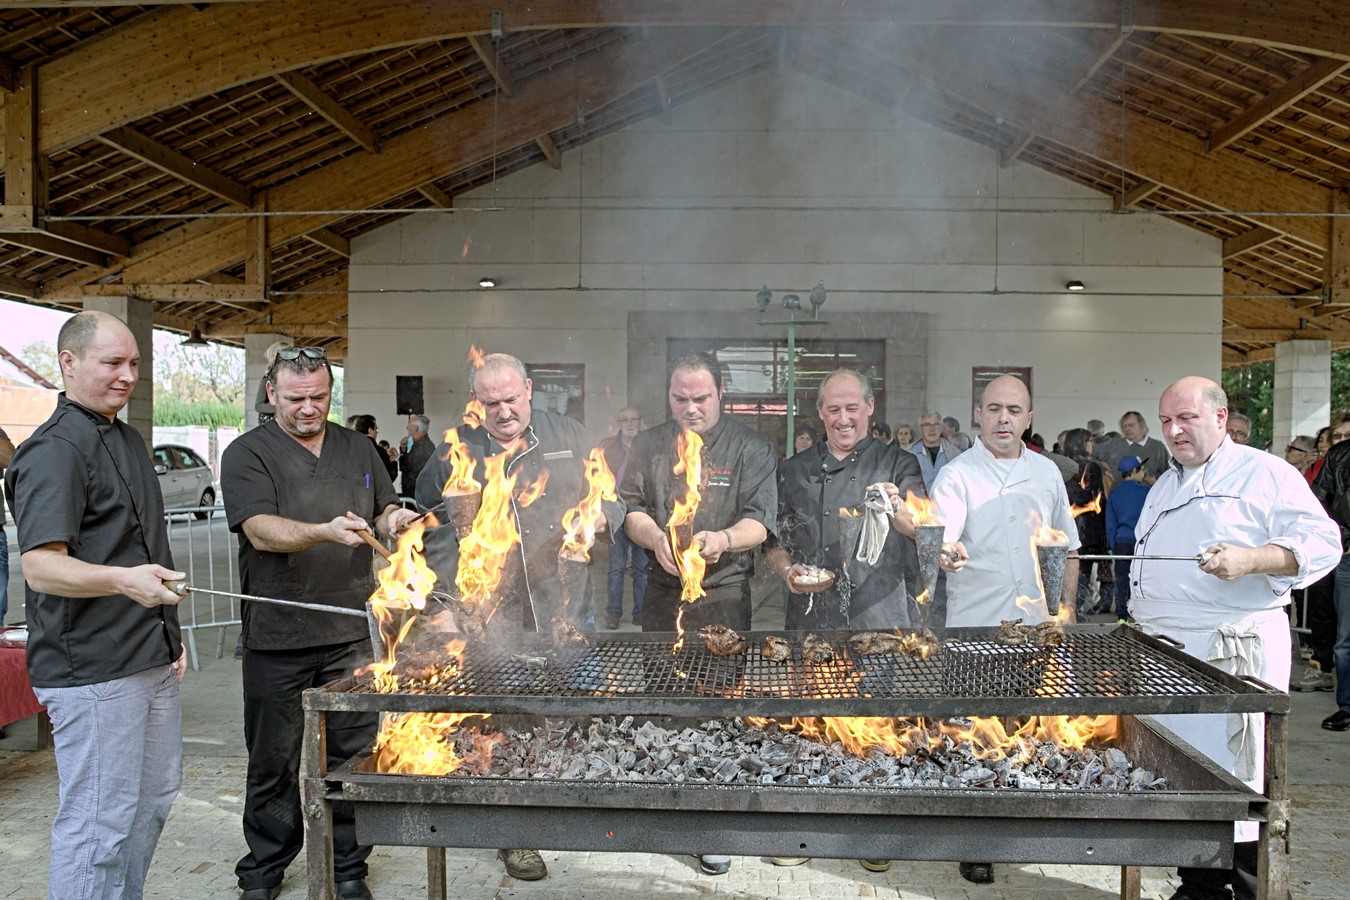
{"x":16,"y":694}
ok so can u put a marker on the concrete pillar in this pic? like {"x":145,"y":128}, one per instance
{"x":1302,"y":390}
{"x":139,"y":316}
{"x":255,"y":369}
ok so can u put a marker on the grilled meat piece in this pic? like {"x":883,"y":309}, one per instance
{"x":874,"y":643}
{"x":1012,"y":633}
{"x":565,"y":634}
{"x":722,"y":641}
{"x":1049,"y":634}
{"x":816,"y":650}
{"x":419,"y":665}
{"x":776,"y":649}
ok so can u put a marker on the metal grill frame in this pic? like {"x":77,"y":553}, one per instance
{"x":1127,"y":829}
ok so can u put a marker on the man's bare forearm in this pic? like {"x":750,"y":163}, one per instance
{"x":274,"y":534}
{"x":643,"y":530}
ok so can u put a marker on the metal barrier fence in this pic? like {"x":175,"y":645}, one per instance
{"x":204,"y":548}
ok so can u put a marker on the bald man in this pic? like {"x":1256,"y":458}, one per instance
{"x":1261,"y":531}
{"x":104,"y":652}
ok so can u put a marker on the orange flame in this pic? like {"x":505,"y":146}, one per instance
{"x":461,"y":480}
{"x":424,"y":744}
{"x":988,"y":737}
{"x":532,"y":491}
{"x":476,"y":357}
{"x":922,"y":509}
{"x":1095,"y":506}
{"x":582,"y":521}
{"x":1035,"y":609}
{"x":483,"y":552}
{"x":474,"y":413}
{"x":687,"y":558}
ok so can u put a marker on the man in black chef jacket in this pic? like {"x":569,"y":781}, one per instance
{"x":297,"y":492}
{"x":542,"y":447}
{"x":104,"y":650}
{"x":814,"y":485}
{"x":737,"y":507}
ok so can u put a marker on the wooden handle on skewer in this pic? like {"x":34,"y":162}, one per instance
{"x":375,"y":543}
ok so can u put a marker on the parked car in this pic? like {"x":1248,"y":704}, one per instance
{"x":185,"y":480}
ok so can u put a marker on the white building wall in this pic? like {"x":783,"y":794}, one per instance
{"x":785,"y":181}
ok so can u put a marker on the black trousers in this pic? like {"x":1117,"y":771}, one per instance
{"x":273,"y":731}
{"x":1321,"y":607}
{"x":728,"y":605}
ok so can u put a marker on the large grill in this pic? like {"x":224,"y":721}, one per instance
{"x":1098,"y":670}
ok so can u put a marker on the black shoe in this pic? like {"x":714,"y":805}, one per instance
{"x":265,"y":893}
{"x":1337,"y":721}
{"x":978,"y":873}
{"x":353,"y":890}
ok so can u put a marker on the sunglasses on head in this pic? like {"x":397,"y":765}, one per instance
{"x":292,"y":353}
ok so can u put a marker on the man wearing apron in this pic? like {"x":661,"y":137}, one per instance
{"x":1253,"y":519}
{"x":298,"y":492}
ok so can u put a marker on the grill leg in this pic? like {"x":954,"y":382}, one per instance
{"x":316,"y":809}
{"x":1272,"y":852}
{"x":436,"y":873}
{"x":1130,"y":883}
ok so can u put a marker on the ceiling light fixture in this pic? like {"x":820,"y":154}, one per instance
{"x":487,"y":282}
{"x":195,"y":339}
{"x":1075,"y":286}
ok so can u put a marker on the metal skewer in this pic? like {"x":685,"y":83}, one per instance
{"x":1104,"y":557}
{"x":182,"y":589}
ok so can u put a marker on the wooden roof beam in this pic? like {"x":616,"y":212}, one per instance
{"x":422,"y":155}
{"x":1009,"y":154}
{"x":180,"y":166}
{"x":295,"y":331}
{"x":1099,"y":51}
{"x":1248,"y":240}
{"x":51,"y":245}
{"x":180,"y":54}
{"x":189,"y":292}
{"x":314,"y":97}
{"x":1135,"y":195}
{"x":1278,"y":335}
{"x":663,"y":96}
{"x":330,"y":240}
{"x":1147,"y":148}
{"x":436,"y":195}
{"x":493,"y":63}
{"x":1271,"y":105}
{"x":1336,"y":262}
{"x":19,"y":287}
{"x":550,"y":151}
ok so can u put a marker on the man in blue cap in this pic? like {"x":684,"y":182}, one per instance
{"x":1122,"y":514}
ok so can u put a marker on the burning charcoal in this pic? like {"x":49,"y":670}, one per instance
{"x":1140,"y":779}
{"x":1092,"y":772}
{"x":722,"y":641}
{"x":1113,"y":782}
{"x":816,"y":650}
{"x":727,"y":770}
{"x":1116,"y":761}
{"x":776,"y":649}
{"x":1056,"y":763}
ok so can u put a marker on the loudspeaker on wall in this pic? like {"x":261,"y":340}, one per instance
{"x":408,"y":394}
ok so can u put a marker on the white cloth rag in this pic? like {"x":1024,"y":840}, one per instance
{"x":1237,"y":649}
{"x":877,"y":511}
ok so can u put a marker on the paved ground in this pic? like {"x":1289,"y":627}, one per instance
{"x":202,"y":840}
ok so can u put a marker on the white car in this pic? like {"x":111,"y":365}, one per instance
{"x":185,"y":480}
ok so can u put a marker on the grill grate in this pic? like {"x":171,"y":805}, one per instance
{"x":1105,"y":667}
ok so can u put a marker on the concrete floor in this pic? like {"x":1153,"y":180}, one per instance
{"x":202,"y":839}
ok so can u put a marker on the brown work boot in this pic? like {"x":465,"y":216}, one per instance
{"x":612,"y":622}
{"x":525,"y":865}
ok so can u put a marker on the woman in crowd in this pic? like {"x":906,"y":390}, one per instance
{"x":1083,"y":490}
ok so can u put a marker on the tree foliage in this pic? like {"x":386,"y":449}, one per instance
{"x":1251,"y":390}
{"x":40,"y":356}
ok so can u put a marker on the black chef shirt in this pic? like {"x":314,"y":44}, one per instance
{"x":265,"y":471}
{"x":738,"y":483}
{"x":88,"y":482}
{"x":812,"y":486}
{"x":554,"y":448}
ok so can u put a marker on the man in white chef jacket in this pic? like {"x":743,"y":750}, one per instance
{"x":1254,"y":521}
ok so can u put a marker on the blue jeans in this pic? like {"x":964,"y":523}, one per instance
{"x":119,"y":759}
{"x":1342,"y":650}
{"x":619,"y":554}
{"x":4,"y":573}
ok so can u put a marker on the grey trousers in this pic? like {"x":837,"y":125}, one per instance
{"x":119,"y":760}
